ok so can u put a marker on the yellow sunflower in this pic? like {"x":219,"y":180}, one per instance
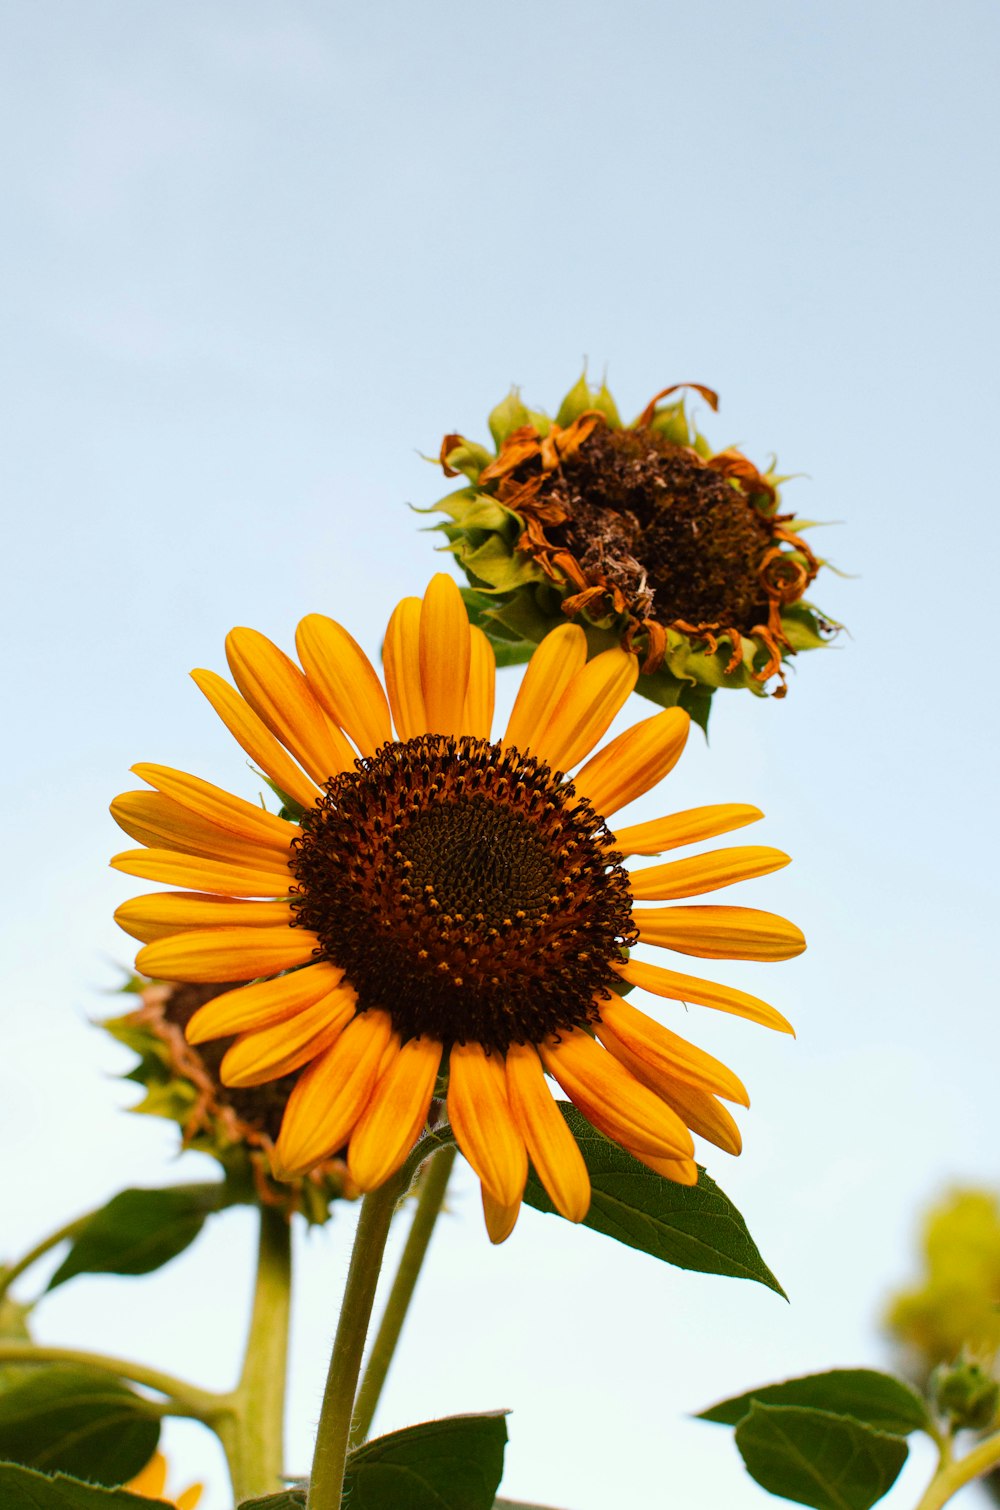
{"x":437,"y":903}
{"x":151,"y":1484}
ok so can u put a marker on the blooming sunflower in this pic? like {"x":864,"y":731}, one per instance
{"x":435,"y":903}
{"x":640,"y":533}
{"x":151,"y":1484}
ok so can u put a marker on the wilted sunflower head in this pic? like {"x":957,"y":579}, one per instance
{"x":638,"y":532}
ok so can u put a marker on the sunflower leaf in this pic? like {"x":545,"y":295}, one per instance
{"x":692,"y":1227}
{"x":863,"y":1394}
{"x":24,"y":1489}
{"x":817,"y":1458}
{"x":140,"y":1230}
{"x":79,"y":1422}
{"x":452,"y":1464}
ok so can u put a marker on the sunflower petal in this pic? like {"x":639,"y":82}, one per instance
{"x":674,"y":986}
{"x":480,"y":1115}
{"x":392,"y":1121}
{"x":613,"y":1099}
{"x":196,"y":874}
{"x":331,"y":1094}
{"x":477,"y":716}
{"x":500,"y":1220}
{"x":660,"y":1051}
{"x":445,"y":652}
{"x":268,"y":1053}
{"x":634,"y":762}
{"x":551,"y":1146}
{"x":255,"y":737}
{"x":265,"y":1002}
{"x":344,"y":680}
{"x":719,"y":932}
{"x":701,"y":873}
{"x":689,"y":827}
{"x":585,"y":711}
{"x":159,"y":822}
{"x":161,"y":913}
{"x":281,"y":696}
{"x":233,"y":814}
{"x":681,"y":1171}
{"x":226,"y":954}
{"x":401,"y":660}
{"x":559,"y":658}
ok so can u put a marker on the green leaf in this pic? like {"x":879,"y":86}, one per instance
{"x":693,"y":1227}
{"x":24,"y":1489}
{"x":452,"y":1464}
{"x":77,"y":1421}
{"x":519,"y":1505}
{"x":863,"y":1394}
{"x":576,"y":402}
{"x":140,"y":1230}
{"x":509,"y":415}
{"x":819,"y":1459}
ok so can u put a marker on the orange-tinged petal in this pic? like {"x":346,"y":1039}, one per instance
{"x":681,"y":1171}
{"x":701,"y":873}
{"x":551,"y":1146}
{"x":613,"y":1099}
{"x":445,"y":653}
{"x":719,"y":932}
{"x":704,"y":993}
{"x":344,"y":680}
{"x":663,"y":1052}
{"x":331,"y":1094}
{"x":559,"y":658}
{"x":500,"y":1220}
{"x":279,"y":694}
{"x":190,"y":1498}
{"x":150,"y":1481}
{"x":255,"y":737}
{"x":264,"y":1002}
{"x":233,"y":814}
{"x":477,"y":715}
{"x":268,"y":1053}
{"x":401,"y":660}
{"x":197,"y":874}
{"x":634,"y":762}
{"x":481,"y":1119}
{"x":585,"y":711}
{"x":394,"y":1117}
{"x":226,"y":954}
{"x":158,"y":821}
{"x":162,"y":913}
{"x":689,"y":827}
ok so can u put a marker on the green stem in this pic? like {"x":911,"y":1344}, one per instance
{"x":330,"y":1458}
{"x":953,"y":1476}
{"x":185,"y":1399}
{"x":14,"y":1271}
{"x":433,"y":1185}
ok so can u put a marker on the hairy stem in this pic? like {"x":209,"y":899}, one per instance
{"x":953,"y":1476}
{"x":184,"y":1399}
{"x":14,"y":1271}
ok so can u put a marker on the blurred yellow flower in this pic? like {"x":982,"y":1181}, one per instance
{"x":956,"y":1305}
{"x":151,"y":1484}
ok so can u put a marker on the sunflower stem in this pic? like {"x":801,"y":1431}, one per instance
{"x":433,"y":1184}
{"x":10,"y":1272}
{"x":184,"y":1399}
{"x":951,"y":1476}
{"x":333,"y":1436}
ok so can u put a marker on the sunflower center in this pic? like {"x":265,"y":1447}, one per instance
{"x":672,"y":534}
{"x":464,"y":890}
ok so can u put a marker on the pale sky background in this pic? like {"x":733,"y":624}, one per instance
{"x":257,"y":257}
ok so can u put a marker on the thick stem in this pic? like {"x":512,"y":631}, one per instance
{"x":184,"y":1399}
{"x":433,"y":1185}
{"x":329,"y":1461}
{"x":61,"y":1235}
{"x":953,"y":1476}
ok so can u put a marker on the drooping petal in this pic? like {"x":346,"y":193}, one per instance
{"x":551,"y":1146}
{"x":559,"y":658}
{"x":704,"y":993}
{"x":344,"y":680}
{"x":634,"y":762}
{"x":394,"y":1117}
{"x":197,"y":874}
{"x":585,"y":711}
{"x":281,"y":696}
{"x":445,"y":653}
{"x":681,"y":1171}
{"x":401,"y":660}
{"x":268,"y":1053}
{"x":663,"y":1052}
{"x":698,"y":1109}
{"x":158,"y":821}
{"x":221,"y":808}
{"x":613,"y":1099}
{"x":161,"y":913}
{"x":331,"y":1094}
{"x":500,"y":1220}
{"x":481,"y":1119}
{"x":720,"y":932}
{"x":265,"y":1002}
{"x":226,"y":954}
{"x":689,"y":827}
{"x":477,"y":716}
{"x":255,"y":737}
{"x":702,"y":873}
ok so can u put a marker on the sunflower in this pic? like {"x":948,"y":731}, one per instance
{"x":437,"y":906}
{"x":640,"y":533}
{"x":151,"y":1485}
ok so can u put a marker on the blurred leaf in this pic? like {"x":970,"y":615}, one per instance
{"x":452,"y":1464}
{"x":864,"y":1394}
{"x":77,"y":1421}
{"x":693,"y":1227}
{"x":285,"y":1499}
{"x":819,"y":1459}
{"x":140,"y":1230}
{"x":24,"y":1489}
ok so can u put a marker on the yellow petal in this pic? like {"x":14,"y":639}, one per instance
{"x":585,"y":711}
{"x":681,"y":1171}
{"x":613,"y":1099}
{"x":481,"y":1119}
{"x":268,"y":1053}
{"x":500,"y":1220}
{"x":233,"y":814}
{"x":704,"y":993}
{"x":151,"y":1480}
{"x":158,"y":821}
{"x":226,"y":954}
{"x":634,"y":762}
{"x":279,"y":694}
{"x":196,"y":874}
{"x":190,"y":1498}
{"x":445,"y":652}
{"x":253,"y":735}
{"x":331,"y":1094}
{"x":162,"y":913}
{"x":344,"y":681}
{"x":663,"y":1052}
{"x":559,"y":658}
{"x":395,"y":1115}
{"x":401,"y":660}
{"x":689,"y":827}
{"x":702,"y":873}
{"x":551,"y":1146}
{"x":265,"y":1002}
{"x":477,"y":716}
{"x":719,"y":932}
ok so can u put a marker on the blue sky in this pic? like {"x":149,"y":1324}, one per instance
{"x":258,"y":258}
